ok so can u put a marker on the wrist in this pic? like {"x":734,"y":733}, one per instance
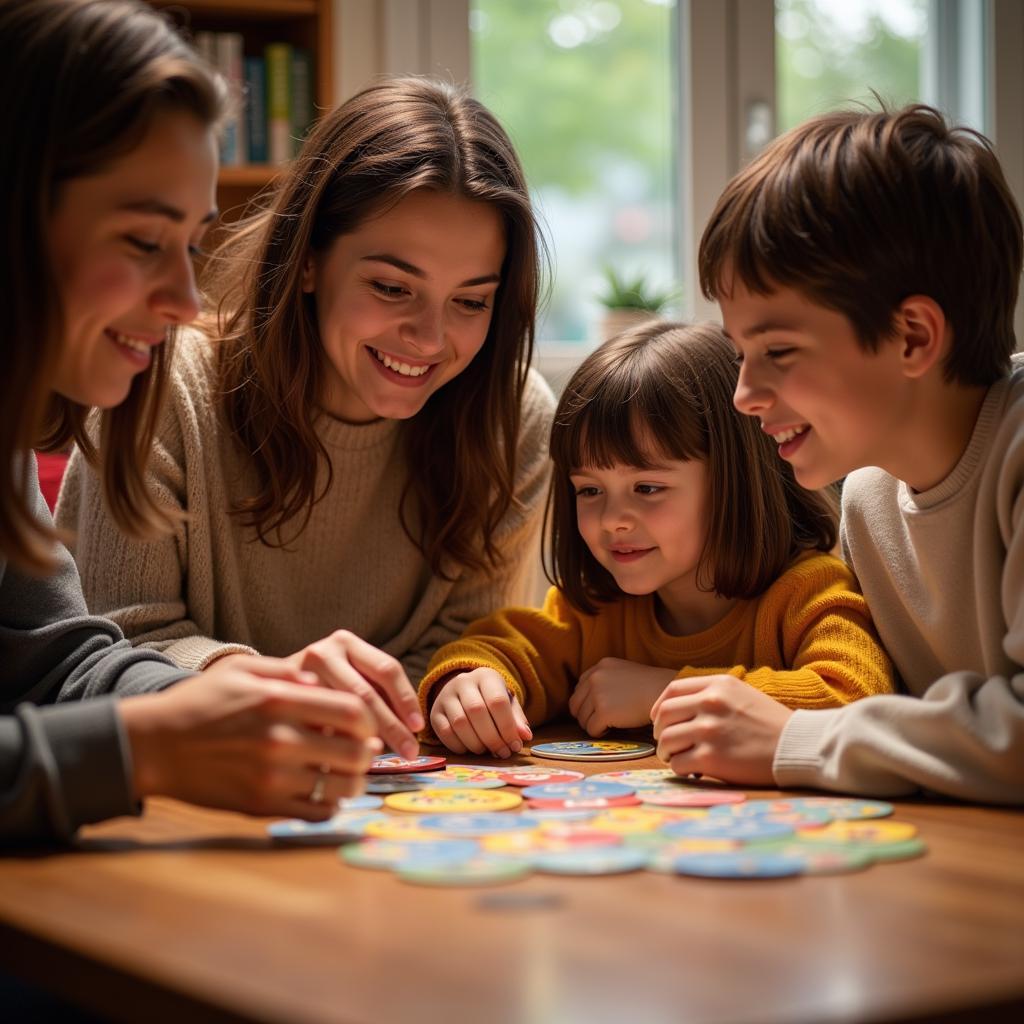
{"x":144,"y":727}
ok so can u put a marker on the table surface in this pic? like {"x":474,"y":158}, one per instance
{"x":192,"y":912}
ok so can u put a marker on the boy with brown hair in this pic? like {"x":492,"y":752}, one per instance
{"x":867,"y":268}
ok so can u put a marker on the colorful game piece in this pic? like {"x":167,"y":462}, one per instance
{"x":360,"y":803}
{"x":862,"y":832}
{"x":394,"y":783}
{"x":343,"y":827}
{"x":906,"y":849}
{"x":589,"y":803}
{"x":473,"y":825}
{"x":593,"y":750}
{"x":392,"y":764}
{"x":542,"y":814}
{"x":846,"y":808}
{"x":795,"y":817}
{"x":593,"y":860}
{"x":443,"y":780}
{"x":481,"y":870}
{"x":742,"y":829}
{"x":686,"y":797}
{"x":392,"y":854}
{"x":663,"y":856}
{"x":819,"y":859}
{"x":576,"y":790}
{"x":437,"y":801}
{"x":746,"y":863}
{"x":394,"y":827}
{"x":627,"y":820}
{"x":535,"y":775}
{"x":474,"y":770}
{"x":640,"y":778}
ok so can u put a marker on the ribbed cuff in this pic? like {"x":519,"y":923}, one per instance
{"x":197,"y":652}
{"x":798,"y":757}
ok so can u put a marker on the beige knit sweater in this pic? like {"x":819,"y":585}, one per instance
{"x":211,"y":588}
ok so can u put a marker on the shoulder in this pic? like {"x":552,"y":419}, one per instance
{"x":538,"y":402}
{"x":813,"y":573}
{"x":191,"y":381}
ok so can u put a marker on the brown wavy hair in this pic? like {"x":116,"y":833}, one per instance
{"x":672,"y":384}
{"x":858,"y":210}
{"x":394,"y":138}
{"x":82,"y":81}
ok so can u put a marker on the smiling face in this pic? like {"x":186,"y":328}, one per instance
{"x":122,"y":242}
{"x":831,"y":405}
{"x":404,"y":303}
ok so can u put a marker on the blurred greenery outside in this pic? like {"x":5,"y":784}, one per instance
{"x":587,"y":91}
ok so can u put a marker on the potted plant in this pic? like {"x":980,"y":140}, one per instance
{"x":628,"y":301}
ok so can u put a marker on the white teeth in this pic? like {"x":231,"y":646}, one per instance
{"x":403,"y":368}
{"x":788,"y":435}
{"x":134,"y":344}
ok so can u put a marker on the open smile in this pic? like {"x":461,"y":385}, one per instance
{"x":626,"y":555}
{"x":401,"y":367}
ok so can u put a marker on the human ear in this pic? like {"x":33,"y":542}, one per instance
{"x":923,"y":333}
{"x":309,"y":275}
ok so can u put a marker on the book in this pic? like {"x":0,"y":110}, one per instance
{"x":301,"y":106}
{"x":233,"y":146}
{"x":279,"y":126}
{"x":256,"y":108}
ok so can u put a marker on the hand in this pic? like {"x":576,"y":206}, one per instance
{"x":474,"y":711}
{"x":344,"y":661}
{"x":617,"y":693}
{"x":720,"y":726}
{"x":244,"y":737}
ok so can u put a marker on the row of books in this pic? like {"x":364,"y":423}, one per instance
{"x":272,"y":93}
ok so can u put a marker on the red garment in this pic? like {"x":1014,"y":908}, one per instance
{"x":51,"y":472}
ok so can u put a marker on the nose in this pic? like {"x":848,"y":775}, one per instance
{"x":424,"y":330}
{"x":176,"y":298}
{"x":751,"y":396}
{"x":616,"y":516}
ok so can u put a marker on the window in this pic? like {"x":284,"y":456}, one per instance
{"x":586,"y":89}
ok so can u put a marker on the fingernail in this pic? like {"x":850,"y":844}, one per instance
{"x":416,"y":721}
{"x":375,"y":744}
{"x":504,"y":752}
{"x":516,"y":747}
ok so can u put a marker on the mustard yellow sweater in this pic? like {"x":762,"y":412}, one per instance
{"x":807,"y":641}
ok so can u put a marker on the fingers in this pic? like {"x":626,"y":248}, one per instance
{"x":678,"y":688}
{"x":478,"y":712}
{"x":445,"y":733}
{"x":387,"y":674}
{"x":338,"y":754}
{"x":342,"y":713}
{"x":522,"y":722}
{"x":580,"y":693}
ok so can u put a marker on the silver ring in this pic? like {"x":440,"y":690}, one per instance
{"x":316,"y":794}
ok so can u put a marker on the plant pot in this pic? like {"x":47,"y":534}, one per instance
{"x":615,"y":321}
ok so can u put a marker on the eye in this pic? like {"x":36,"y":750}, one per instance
{"x":474,"y":305}
{"x":147,"y":248}
{"x":587,"y":491}
{"x":196,"y":251}
{"x":649,"y":488}
{"x":779,"y":353}
{"x":388,"y":291}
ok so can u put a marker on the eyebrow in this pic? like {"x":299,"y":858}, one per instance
{"x":765,"y":327}
{"x":409,"y":268}
{"x":162,"y":209}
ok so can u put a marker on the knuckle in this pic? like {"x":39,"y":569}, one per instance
{"x":343,"y":636}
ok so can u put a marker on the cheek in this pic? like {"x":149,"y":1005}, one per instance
{"x":103,"y":288}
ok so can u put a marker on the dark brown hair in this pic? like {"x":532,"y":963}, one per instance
{"x":859,"y":210}
{"x":397,"y":137}
{"x":81,"y":81}
{"x":671,"y":385}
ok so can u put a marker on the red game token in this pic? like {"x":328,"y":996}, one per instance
{"x":392,"y":764}
{"x":593,"y":803}
{"x":531,"y":776}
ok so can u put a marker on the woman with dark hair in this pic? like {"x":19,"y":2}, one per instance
{"x":358,"y":439}
{"x":107,"y":174}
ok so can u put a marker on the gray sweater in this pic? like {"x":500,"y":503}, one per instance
{"x":943,"y":573}
{"x":66,"y":764}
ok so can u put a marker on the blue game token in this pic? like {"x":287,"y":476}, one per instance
{"x":344,"y":826}
{"x":472,"y":825}
{"x":592,"y":860}
{"x":441,"y":781}
{"x":727,"y":827}
{"x":392,"y":854}
{"x":361,"y":803}
{"x":593,"y":750}
{"x":541,"y":814}
{"x":583,"y":790}
{"x":738,"y":864}
{"x":394,"y":784}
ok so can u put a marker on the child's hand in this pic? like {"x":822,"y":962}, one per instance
{"x":474,"y":711}
{"x":720,"y":726}
{"x":616,"y":693}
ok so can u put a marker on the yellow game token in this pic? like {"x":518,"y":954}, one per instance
{"x":626,"y":820}
{"x":461,"y":801}
{"x":391,"y":827}
{"x":865,"y":831}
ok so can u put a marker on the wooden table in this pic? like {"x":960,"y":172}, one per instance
{"x":191,"y":915}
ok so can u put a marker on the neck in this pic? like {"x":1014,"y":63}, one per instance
{"x":683,"y":611}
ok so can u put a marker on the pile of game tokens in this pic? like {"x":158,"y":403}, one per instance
{"x":475,"y":825}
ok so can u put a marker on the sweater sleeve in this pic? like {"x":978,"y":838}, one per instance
{"x":143,"y":585}
{"x":516,"y":580}
{"x":963,"y":738}
{"x":817,"y":642}
{"x":537,"y":651}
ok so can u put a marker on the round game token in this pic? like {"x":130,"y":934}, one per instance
{"x":627,"y":820}
{"x":846,"y":808}
{"x":472,"y":825}
{"x":392,"y":764}
{"x":346,"y":825}
{"x":576,"y":790}
{"x":391,"y":854}
{"x":686,"y":797}
{"x":746,"y":863}
{"x":593,"y":750}
{"x":819,"y":859}
{"x":527,"y":845}
{"x":436,"y":801}
{"x":393,"y":827}
{"x":360,"y":803}
{"x":906,"y":849}
{"x":592,"y":860}
{"x":542,"y":814}
{"x":481,"y":870}
{"x":639,"y":778}
{"x":473,"y":770}
{"x":394,"y":783}
{"x":797,"y":817}
{"x":535,"y":775}
{"x":862,"y":832}
{"x":663,"y":856}
{"x":590,"y":803}
{"x":743,"y":829}
{"x":442,"y":780}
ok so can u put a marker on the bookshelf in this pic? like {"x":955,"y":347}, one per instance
{"x":303,"y":24}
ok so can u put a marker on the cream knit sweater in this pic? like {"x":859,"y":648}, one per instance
{"x":211,"y":588}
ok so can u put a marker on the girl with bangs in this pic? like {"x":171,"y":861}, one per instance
{"x":680,"y":548}
{"x":356,"y":440}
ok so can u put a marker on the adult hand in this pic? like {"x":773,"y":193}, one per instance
{"x":243,"y":736}
{"x":720,"y":726}
{"x":614,"y":693}
{"x":474,"y":711}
